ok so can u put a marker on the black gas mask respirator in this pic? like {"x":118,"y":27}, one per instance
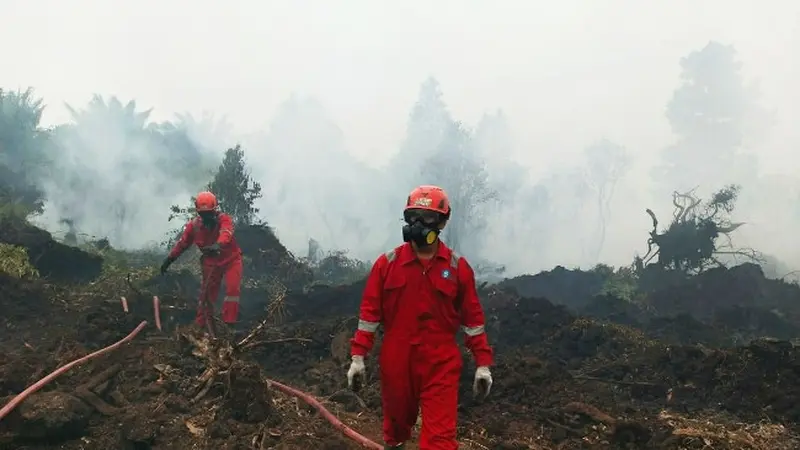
{"x":209,"y":218}
{"x":422,"y":227}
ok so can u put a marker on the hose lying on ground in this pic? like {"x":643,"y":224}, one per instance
{"x":308,"y":398}
{"x":156,"y":309}
{"x":349,"y":432}
{"x":61,"y":370}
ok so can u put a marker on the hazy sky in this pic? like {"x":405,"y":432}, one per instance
{"x":566,"y":72}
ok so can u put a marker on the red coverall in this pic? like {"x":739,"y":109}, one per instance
{"x":421,"y":305}
{"x":227,"y":263}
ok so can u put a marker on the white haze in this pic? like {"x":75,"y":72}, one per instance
{"x":565,"y":74}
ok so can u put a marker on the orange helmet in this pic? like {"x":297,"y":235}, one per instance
{"x":205,"y":201}
{"x":429,"y":198}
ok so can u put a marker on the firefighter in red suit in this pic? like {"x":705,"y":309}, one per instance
{"x":212,"y":232}
{"x":422,"y":293}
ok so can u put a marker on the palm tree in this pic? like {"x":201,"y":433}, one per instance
{"x":112,"y":112}
{"x":22,"y":149}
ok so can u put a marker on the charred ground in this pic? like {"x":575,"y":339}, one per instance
{"x":701,"y":361}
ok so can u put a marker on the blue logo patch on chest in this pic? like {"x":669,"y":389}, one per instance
{"x":446,"y":274}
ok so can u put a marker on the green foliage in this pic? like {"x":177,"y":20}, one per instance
{"x":723,"y":201}
{"x":121,"y":262}
{"x":236,"y":193}
{"x":621,"y":283}
{"x":21,"y":138}
{"x":151,"y":158}
{"x":14,"y":261}
{"x":22,"y":145}
{"x":235,"y":189}
{"x":335,"y":268}
{"x":16,"y":210}
{"x":128,"y":134}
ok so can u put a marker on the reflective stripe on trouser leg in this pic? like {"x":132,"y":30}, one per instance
{"x":230,"y":309}
{"x":233,"y":282}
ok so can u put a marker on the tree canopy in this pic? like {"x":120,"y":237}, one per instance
{"x":711,"y":114}
{"x":22,"y":151}
{"x":234,"y":187}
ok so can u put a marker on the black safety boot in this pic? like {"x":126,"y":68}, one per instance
{"x":395,"y":447}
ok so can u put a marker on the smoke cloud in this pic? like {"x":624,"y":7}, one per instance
{"x":553,"y":127}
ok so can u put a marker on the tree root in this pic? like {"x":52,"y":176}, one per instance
{"x":620,"y":431}
{"x":218,"y":355}
{"x":95,"y":401}
{"x":566,"y":428}
{"x":589,"y":411}
{"x":347,"y":393}
{"x":273,"y":341}
{"x":205,"y":382}
{"x":98,"y":384}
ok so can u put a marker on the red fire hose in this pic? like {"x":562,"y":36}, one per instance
{"x":61,"y":370}
{"x":349,"y":432}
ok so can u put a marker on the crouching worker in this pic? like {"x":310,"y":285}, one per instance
{"x":421,"y":292}
{"x":212,"y":232}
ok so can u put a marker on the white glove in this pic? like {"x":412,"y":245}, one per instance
{"x":483,"y":381}
{"x":356,"y":371}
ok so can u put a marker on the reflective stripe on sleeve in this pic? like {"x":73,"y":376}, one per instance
{"x":231,"y":299}
{"x":369,"y":327}
{"x":473,"y":331}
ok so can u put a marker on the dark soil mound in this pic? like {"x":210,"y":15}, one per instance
{"x":759,"y":379}
{"x":613,"y":309}
{"x":744,"y":323}
{"x":573,"y":288}
{"x":52,"y":259}
{"x":266,"y":256}
{"x":717,"y":289}
{"x":518,"y":322}
{"x":729,"y":306}
{"x":322,"y":301}
{"x":686,"y":330}
{"x":21,"y":299}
